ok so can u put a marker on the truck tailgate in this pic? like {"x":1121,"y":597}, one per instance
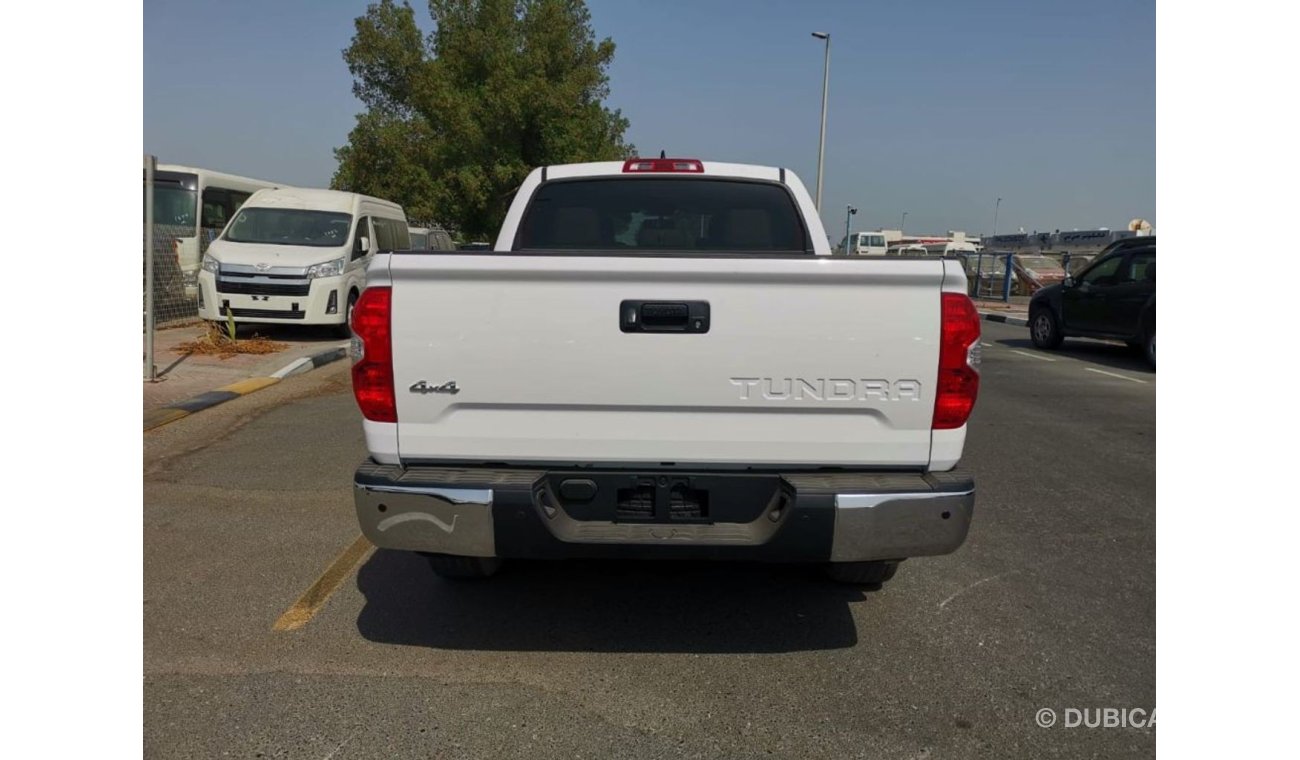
{"x":522,"y":358}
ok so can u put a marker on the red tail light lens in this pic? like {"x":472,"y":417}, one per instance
{"x":959,"y":358}
{"x":647,"y":165}
{"x":372,"y":368}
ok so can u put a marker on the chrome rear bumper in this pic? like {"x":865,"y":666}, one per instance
{"x":487,"y":512}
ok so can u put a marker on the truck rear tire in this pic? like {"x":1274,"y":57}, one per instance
{"x":863,"y":573}
{"x":457,"y":568}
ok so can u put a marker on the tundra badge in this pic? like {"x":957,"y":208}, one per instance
{"x":447,"y":387}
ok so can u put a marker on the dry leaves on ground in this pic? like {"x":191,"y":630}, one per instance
{"x":215,"y":342}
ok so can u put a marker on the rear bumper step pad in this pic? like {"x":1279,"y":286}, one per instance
{"x":779,"y":517}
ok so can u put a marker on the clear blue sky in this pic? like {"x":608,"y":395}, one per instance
{"x":936,"y":107}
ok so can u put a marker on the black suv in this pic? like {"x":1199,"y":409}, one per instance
{"x":1115,"y":297}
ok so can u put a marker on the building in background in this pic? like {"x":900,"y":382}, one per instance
{"x":1074,"y":242}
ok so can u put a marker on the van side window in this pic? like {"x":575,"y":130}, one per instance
{"x":401,"y":235}
{"x":384,"y":233}
{"x":363,"y":230}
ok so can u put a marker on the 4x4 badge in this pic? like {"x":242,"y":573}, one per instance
{"x":447,"y":387}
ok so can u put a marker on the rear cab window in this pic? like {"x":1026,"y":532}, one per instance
{"x":662,"y":215}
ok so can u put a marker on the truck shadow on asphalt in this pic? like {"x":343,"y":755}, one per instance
{"x":1114,"y":355}
{"x":607,"y":606}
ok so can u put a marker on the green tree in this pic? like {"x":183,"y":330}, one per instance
{"x":454,"y":123}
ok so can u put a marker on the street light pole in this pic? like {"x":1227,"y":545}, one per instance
{"x":996,"y":206}
{"x":821,"y":145}
{"x":848,"y":214}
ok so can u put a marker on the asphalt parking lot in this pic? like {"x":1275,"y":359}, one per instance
{"x":1050,"y":604}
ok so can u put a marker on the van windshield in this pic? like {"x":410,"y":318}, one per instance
{"x":283,"y":226}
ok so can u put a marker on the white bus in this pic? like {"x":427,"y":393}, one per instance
{"x":864,"y":244}
{"x":195,"y":204}
{"x":298,"y":256}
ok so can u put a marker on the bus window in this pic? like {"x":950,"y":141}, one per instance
{"x":217,"y":208}
{"x":174,"y":199}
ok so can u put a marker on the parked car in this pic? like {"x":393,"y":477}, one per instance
{"x":430,"y":239}
{"x":1034,"y":272}
{"x":1114,"y":297}
{"x":990,"y":279}
{"x":664,"y":371}
{"x":906,"y":250}
{"x":1075,"y":263}
{"x":476,"y":246}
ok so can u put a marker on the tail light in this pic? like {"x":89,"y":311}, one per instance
{"x":662,"y":165}
{"x":372,"y":355}
{"x":959,"y":359}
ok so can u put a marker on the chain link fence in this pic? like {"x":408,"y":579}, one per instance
{"x":171,"y":259}
{"x":175,"y":298}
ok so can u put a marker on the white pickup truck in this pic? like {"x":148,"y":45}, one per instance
{"x":661,"y":359}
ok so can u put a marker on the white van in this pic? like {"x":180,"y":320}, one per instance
{"x":297,"y":256}
{"x":951,"y":248}
{"x":907,"y":249}
{"x":191,"y":206}
{"x":864,"y":244}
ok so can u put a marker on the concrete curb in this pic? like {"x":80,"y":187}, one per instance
{"x":995,"y":317}
{"x":181,"y":409}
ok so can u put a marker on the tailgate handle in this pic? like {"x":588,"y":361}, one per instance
{"x":664,"y":316}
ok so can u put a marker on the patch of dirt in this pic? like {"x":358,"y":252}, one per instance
{"x":215,"y":341}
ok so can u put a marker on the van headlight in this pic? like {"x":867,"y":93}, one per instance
{"x":210,"y":264}
{"x":328,"y":269}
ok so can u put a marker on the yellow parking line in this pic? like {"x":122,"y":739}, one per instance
{"x":244,"y":387}
{"x":315,"y":597}
{"x":156,"y":417}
